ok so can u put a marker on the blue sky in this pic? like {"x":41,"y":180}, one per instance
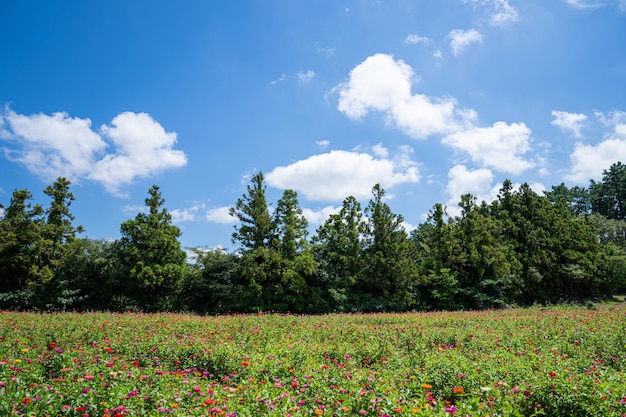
{"x":431,"y":99}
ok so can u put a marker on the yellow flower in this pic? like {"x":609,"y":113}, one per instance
{"x":24,"y":350}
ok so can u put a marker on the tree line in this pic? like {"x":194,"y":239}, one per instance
{"x":567,"y":245}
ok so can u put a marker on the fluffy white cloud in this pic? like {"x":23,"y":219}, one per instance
{"x":463,"y":181}
{"x":53,"y":146}
{"x":383,"y":84}
{"x":60,"y":145}
{"x":336,"y":175}
{"x":143,"y":148}
{"x":477,"y":182}
{"x":588,"y":161}
{"x":461,"y":39}
{"x":220,"y":215}
{"x":571,"y":122}
{"x":182,"y":215}
{"x":320,"y":215}
{"x":499,"y":146}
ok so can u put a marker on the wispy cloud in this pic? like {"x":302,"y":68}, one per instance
{"x":306,"y":77}
{"x":280,"y":79}
{"x":323,"y":144}
{"x":327,"y":51}
{"x":461,"y":39}
{"x":414,"y":39}
{"x":585,"y":4}
{"x":500,"y":11}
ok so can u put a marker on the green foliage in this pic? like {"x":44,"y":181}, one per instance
{"x":20,"y":237}
{"x":568,"y":245}
{"x":251,"y":210}
{"x":149,"y":254}
{"x":608,"y":197}
{"x":212,"y":284}
{"x":390,"y":275}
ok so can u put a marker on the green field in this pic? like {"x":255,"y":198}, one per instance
{"x":566,"y":361}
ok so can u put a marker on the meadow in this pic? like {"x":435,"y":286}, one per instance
{"x":566,"y":361}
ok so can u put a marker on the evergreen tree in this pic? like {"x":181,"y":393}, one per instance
{"x":20,"y":257}
{"x":256,"y":229}
{"x":58,"y":234}
{"x":211,"y":284}
{"x":257,"y":237}
{"x":432,"y":239}
{"x":150,"y":255}
{"x":483,"y":261}
{"x":338,"y":248}
{"x":608,"y":197}
{"x":390,"y":278}
{"x":297,"y":265}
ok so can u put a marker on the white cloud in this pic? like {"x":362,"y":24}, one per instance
{"x":438,"y":55}
{"x":182,"y":215}
{"x":281,"y":78}
{"x":408,"y":227}
{"x":383,"y":84}
{"x":380,"y":150}
{"x":571,"y":122}
{"x":338,"y":174}
{"x":143,"y":148}
{"x":60,"y":145}
{"x":329,"y":52}
{"x":320,"y":215}
{"x":461,"y":39}
{"x":306,"y":77}
{"x":502,"y":13}
{"x":584,"y":4}
{"x":414,"y":39}
{"x":461,"y":181}
{"x":499,"y":146}
{"x":588,"y":161}
{"x":220,"y":215}
{"x":477,"y":182}
{"x":53,"y":146}
{"x":323,"y":144}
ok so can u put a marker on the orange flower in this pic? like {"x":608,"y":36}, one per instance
{"x":26,"y":400}
{"x":426,"y":386}
{"x":458,"y":390}
{"x":318,"y":412}
{"x":245,"y":363}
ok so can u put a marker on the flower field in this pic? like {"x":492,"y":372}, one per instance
{"x":518,"y":362}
